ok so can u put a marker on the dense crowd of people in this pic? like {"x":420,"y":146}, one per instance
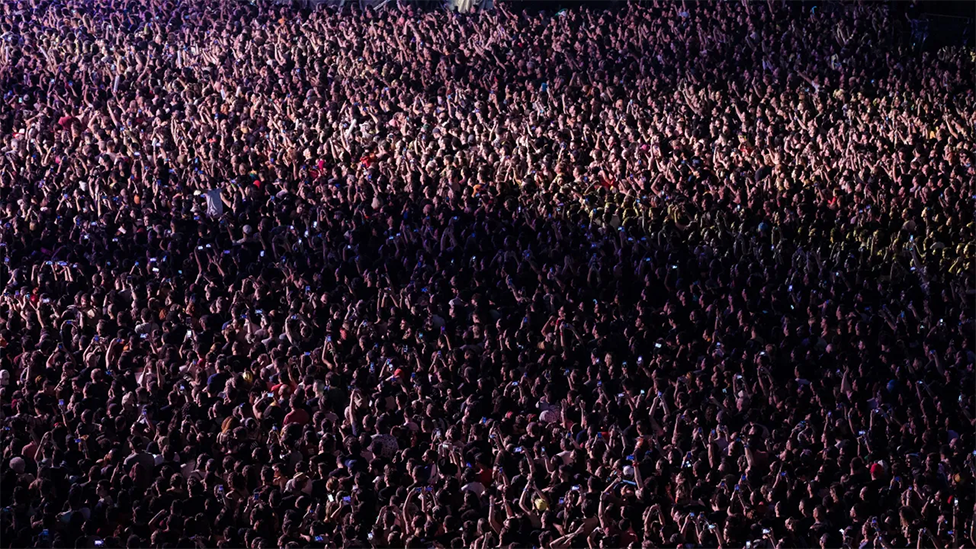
{"x":656,"y":276}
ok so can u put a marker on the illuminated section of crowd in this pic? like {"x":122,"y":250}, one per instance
{"x":654,"y":276}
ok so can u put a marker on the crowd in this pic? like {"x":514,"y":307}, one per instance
{"x":664,"y":275}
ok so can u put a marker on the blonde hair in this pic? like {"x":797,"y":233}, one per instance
{"x":229,"y":423}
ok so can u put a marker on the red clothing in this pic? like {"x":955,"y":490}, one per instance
{"x":30,"y":451}
{"x":484,"y":475}
{"x":282,"y":390}
{"x":299,"y":416}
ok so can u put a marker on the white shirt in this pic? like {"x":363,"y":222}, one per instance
{"x":215,"y":207}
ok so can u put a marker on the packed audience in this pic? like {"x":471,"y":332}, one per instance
{"x":654,"y":276}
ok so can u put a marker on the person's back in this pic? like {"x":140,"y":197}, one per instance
{"x":298,"y":413}
{"x":384,"y":445}
{"x":141,"y":456}
{"x":76,"y":507}
{"x":67,"y":516}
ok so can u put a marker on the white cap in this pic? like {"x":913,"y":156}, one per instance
{"x":18,"y":465}
{"x":549,"y":416}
